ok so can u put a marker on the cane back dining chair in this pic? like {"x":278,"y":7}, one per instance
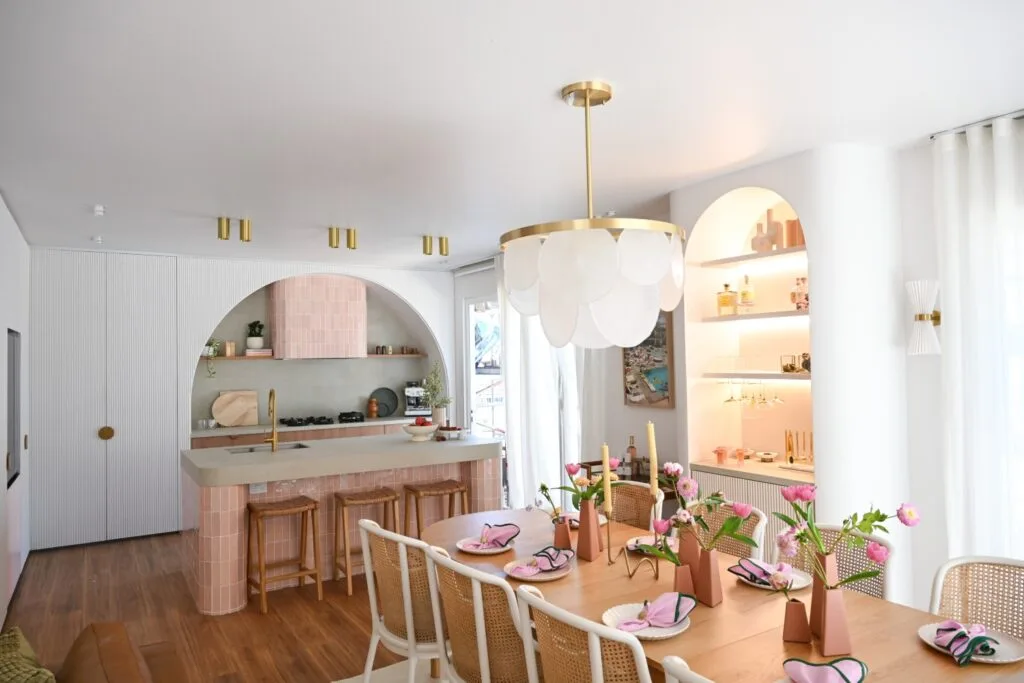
{"x":753,"y":526}
{"x":631,"y":504}
{"x":849,"y":561}
{"x":982,"y":590}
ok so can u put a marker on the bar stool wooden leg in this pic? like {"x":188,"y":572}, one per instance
{"x":465,"y":502}
{"x":408,"y":511}
{"x":451,"y":505}
{"x":303,"y":547}
{"x":262,"y":563}
{"x":249,"y":553}
{"x":335,"y":568}
{"x":384,"y":520}
{"x":419,"y":516}
{"x":315,"y":512}
{"x":394,"y":514}
{"x":348,"y":552}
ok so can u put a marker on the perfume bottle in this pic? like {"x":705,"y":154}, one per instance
{"x":746,"y":293}
{"x":727,"y":301}
{"x":761,"y":242}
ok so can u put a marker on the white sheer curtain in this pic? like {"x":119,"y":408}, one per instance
{"x":541,"y":403}
{"x":980,"y":210}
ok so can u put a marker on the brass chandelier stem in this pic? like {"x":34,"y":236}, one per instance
{"x":590,"y":181}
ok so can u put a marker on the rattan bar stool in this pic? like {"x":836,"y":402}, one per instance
{"x":415,"y":493}
{"x":307,"y":509}
{"x":342,"y":502}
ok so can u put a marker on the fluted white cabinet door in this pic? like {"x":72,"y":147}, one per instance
{"x":68,"y":464}
{"x":141,"y":361}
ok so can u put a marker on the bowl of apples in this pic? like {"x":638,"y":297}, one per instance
{"x":421,"y":430}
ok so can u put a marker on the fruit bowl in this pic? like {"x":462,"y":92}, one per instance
{"x":420,"y":432}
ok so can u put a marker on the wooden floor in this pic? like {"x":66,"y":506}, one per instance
{"x":140,"y":582}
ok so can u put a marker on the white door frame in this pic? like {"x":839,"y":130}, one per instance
{"x":471,"y":287}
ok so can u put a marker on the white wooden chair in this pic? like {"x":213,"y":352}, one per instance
{"x":631,"y":504}
{"x":849,"y":561}
{"x":753,"y":526}
{"x":677,"y":671}
{"x":397,"y":576}
{"x":981,"y":590}
{"x":482,"y":614}
{"x":577,"y":650}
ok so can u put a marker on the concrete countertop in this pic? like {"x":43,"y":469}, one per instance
{"x":768,"y":472}
{"x":262,"y":428}
{"x":221,"y":467}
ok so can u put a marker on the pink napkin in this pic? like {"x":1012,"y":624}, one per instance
{"x":666,"y":611}
{"x":494,"y":536}
{"x":964,"y":641}
{"x":549,"y":559}
{"x":758,"y":572}
{"x":844,"y":670}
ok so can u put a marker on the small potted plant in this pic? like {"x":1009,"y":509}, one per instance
{"x":254,"y":339}
{"x":211,"y":351}
{"x":434,"y":396}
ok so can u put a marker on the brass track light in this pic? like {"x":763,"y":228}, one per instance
{"x":428,"y":245}
{"x":333,"y":237}
{"x":442,"y":244}
{"x":223,"y":228}
{"x":350,"y":238}
{"x":245,"y":230}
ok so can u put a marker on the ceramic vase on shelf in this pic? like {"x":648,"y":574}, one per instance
{"x":437,"y":415}
{"x":563,"y":540}
{"x":835,"y":631}
{"x":708,"y":583}
{"x":682,"y":581}
{"x":796,"y":629}
{"x":588,"y":538}
{"x":818,"y":590}
{"x":254,"y":342}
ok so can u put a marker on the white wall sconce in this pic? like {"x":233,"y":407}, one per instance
{"x":924,"y":341}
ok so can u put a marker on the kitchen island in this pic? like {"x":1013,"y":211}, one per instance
{"x":216,"y":489}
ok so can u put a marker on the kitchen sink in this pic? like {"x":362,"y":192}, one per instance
{"x":266,"y":448}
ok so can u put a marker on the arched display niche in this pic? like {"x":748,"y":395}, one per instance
{"x":729,"y":357}
{"x":316,"y":387}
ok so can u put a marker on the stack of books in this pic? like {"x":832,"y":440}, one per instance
{"x":259,"y":352}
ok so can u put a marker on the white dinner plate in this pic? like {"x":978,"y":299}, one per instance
{"x":632,"y":543}
{"x":464,"y":547}
{"x":574,"y":519}
{"x":615,"y":615}
{"x":539,"y":577}
{"x":1008,"y":650}
{"x":801,"y":580}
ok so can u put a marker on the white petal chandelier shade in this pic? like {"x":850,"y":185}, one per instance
{"x":594,"y":282}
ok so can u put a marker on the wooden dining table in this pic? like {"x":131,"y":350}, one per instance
{"x":741,"y":638}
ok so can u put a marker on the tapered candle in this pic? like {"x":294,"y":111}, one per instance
{"x":606,"y":477}
{"x":653,"y":449}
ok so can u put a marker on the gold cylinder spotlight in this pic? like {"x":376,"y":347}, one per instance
{"x":428,"y":245}
{"x":223,"y":228}
{"x":350,"y":238}
{"x":442,"y":244}
{"x":333,"y":237}
{"x":245,"y":230}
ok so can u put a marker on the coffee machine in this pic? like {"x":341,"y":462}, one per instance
{"x":414,"y":404}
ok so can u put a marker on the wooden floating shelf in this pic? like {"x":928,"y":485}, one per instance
{"x":369,"y":355}
{"x":236,"y":358}
{"x":746,"y":258}
{"x":396,"y":355}
{"x":767,"y":376}
{"x":756,"y":316}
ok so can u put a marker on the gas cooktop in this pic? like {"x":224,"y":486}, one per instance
{"x":303,"y":421}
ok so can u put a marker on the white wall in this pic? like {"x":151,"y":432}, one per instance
{"x":14,"y":287}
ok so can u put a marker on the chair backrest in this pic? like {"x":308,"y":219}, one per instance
{"x":849,"y":561}
{"x":396,"y":575}
{"x":982,"y":590}
{"x":631,"y":504}
{"x":482,"y":617}
{"x":753,"y":526}
{"x":677,"y":671}
{"x":577,"y":650}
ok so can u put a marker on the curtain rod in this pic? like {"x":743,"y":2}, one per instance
{"x":983,"y":122}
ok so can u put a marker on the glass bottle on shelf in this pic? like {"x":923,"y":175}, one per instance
{"x":727,"y":301}
{"x":746,"y":293}
{"x":761,"y":242}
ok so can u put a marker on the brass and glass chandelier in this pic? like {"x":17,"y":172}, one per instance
{"x":596,"y":281}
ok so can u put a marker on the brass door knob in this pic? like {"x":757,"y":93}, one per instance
{"x":106,"y":433}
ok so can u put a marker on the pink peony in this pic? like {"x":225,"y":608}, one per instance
{"x":780,"y":580}
{"x":908,"y":515}
{"x":661,"y":526}
{"x":687,"y":488}
{"x":806,"y":492}
{"x":877,"y":552}
{"x":613,"y":463}
{"x":683,"y":517}
{"x":789,"y":493}
{"x":742,"y":510}
{"x":672,"y":469}
{"x":787,"y":543}
{"x":572,"y":469}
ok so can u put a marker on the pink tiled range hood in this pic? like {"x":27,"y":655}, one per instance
{"x":318,"y":316}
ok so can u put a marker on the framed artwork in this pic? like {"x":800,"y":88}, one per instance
{"x":648,"y":369}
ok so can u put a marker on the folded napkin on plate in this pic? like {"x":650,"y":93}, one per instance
{"x":494,"y":536}
{"x":665,"y":611}
{"x":843,"y":670}
{"x":964,"y":641}
{"x":758,"y":572}
{"x":547,"y":560}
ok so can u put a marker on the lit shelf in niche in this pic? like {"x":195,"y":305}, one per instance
{"x":731,"y":261}
{"x":236,"y":358}
{"x":761,"y":376}
{"x":769,"y":315}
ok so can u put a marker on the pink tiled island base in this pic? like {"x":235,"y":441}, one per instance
{"x":215,"y":536}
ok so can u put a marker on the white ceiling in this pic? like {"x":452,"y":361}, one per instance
{"x":410,"y":116}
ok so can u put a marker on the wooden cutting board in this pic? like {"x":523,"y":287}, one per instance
{"x":236,"y":409}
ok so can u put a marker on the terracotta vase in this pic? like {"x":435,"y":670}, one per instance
{"x":683,"y":581}
{"x":835,"y":631}
{"x":708,"y":586}
{"x":796,"y":629}
{"x":563,"y":540}
{"x":689,"y":551}
{"x":818,"y":590}
{"x":588,"y":538}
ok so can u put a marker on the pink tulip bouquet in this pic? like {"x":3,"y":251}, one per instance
{"x":581,"y":487}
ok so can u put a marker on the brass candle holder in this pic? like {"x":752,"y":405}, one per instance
{"x":631,"y":569}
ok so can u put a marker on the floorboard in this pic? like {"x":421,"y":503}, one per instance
{"x":140,"y":582}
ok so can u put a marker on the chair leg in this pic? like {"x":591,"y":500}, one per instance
{"x":412,"y":669}
{"x":303,"y":547}
{"x":335,"y":567}
{"x":451,"y":505}
{"x":260,"y":544}
{"x":465,"y":502}
{"x":249,"y":553}
{"x":368,"y":669}
{"x":419,"y":516}
{"x":348,"y":551}
{"x":384,"y":518}
{"x":315,"y":514}
{"x":394,"y":514}
{"x":408,"y":511}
